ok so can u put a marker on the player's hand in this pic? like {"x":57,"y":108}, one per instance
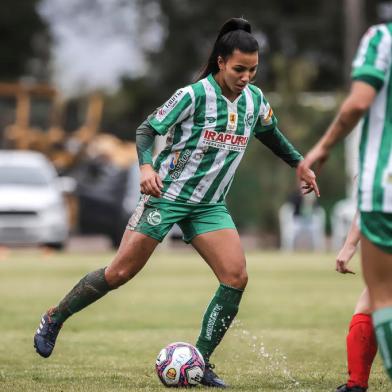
{"x":150,"y":182}
{"x":308,"y":181}
{"x":343,"y":259}
{"x":317,"y":155}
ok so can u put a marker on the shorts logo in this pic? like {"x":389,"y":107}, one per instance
{"x":154,"y":218}
{"x":249,"y":119}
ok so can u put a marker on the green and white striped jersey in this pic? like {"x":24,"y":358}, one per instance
{"x":207,"y":137}
{"x":373,"y":64}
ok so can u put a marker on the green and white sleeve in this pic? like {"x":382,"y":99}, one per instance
{"x":175,"y":110}
{"x":372,"y":61}
{"x":267,"y":131}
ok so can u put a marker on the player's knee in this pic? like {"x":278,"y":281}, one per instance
{"x":118,"y":277}
{"x":238,"y":279}
{"x":243,"y":279}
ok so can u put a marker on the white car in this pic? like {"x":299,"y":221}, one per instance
{"x":32,"y":206}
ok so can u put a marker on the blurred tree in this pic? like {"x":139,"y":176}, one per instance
{"x":23,"y":41}
{"x":302,"y":49}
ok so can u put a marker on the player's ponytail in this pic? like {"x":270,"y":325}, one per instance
{"x":234,"y":34}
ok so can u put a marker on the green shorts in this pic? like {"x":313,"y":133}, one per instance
{"x":155,"y":217}
{"x":377,"y":228}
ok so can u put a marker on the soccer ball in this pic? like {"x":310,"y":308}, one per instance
{"x":180,"y":365}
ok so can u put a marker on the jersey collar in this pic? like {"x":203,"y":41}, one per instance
{"x":218,"y":90}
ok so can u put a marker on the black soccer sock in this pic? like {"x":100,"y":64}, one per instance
{"x":217,"y":318}
{"x":89,"y":289}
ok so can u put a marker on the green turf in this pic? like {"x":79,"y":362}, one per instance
{"x":289,"y":334}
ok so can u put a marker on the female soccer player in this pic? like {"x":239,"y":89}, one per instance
{"x":208,"y":124}
{"x":370,"y":98}
{"x":361,"y":343}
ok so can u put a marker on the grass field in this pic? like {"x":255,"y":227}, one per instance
{"x":289,"y":334}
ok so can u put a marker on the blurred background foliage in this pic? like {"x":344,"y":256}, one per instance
{"x":303,"y":72}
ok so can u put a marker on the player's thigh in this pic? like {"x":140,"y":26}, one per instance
{"x":222,"y":250}
{"x":133,"y":253}
{"x":377,"y":270}
{"x":363,"y":304}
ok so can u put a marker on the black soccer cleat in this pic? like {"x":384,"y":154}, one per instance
{"x":210,"y":378}
{"x":46,"y":335}
{"x":355,"y":388}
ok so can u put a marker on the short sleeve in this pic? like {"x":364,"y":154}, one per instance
{"x":266,"y":120}
{"x":176,"y":109}
{"x":373,"y":58}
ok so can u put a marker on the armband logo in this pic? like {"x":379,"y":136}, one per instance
{"x":267,"y":119}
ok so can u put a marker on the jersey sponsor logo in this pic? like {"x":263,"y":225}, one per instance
{"x":178,"y":162}
{"x":169,"y":105}
{"x":232,"y":121}
{"x":225,"y":141}
{"x":154,"y":218}
{"x":249,"y":118}
{"x":387,"y":178}
{"x":174,"y":160}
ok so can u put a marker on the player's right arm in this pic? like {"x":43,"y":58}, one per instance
{"x":348,"y":250}
{"x":172,"y":112}
{"x":150,"y":183}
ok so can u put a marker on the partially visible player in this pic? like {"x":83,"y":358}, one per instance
{"x":370,"y":98}
{"x":361,"y":343}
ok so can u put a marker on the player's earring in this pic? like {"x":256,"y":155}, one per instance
{"x":221,"y":63}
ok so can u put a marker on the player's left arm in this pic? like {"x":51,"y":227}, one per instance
{"x":280,"y":146}
{"x":350,"y":246}
{"x":268,"y":133}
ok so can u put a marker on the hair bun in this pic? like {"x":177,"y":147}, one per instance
{"x":235,"y":24}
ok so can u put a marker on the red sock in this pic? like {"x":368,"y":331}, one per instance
{"x":361,"y":350}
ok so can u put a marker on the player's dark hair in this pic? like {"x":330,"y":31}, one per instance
{"x":234,"y":34}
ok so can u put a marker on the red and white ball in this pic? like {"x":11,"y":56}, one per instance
{"x":180,"y":365}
